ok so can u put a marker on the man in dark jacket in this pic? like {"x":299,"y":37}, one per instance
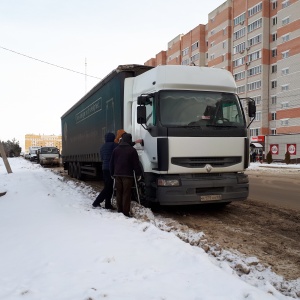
{"x":105,"y":154}
{"x":123,"y":164}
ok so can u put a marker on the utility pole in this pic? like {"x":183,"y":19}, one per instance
{"x":2,"y":152}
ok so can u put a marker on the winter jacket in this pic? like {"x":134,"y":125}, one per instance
{"x":125,"y":160}
{"x":107,"y":150}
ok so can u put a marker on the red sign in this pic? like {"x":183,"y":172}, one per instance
{"x":291,"y":148}
{"x":259,"y":138}
{"x":274,"y":148}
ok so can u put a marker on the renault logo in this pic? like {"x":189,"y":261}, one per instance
{"x":208,"y":168}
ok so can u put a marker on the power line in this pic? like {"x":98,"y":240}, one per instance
{"x":45,"y":62}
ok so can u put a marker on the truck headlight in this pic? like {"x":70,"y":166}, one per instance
{"x":168,"y":182}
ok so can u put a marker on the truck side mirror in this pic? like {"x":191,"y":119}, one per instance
{"x":142,"y":100}
{"x":141,"y":114}
{"x":251,"y":108}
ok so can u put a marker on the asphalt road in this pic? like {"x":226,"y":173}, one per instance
{"x":277,"y":189}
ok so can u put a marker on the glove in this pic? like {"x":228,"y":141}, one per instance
{"x":139,"y":178}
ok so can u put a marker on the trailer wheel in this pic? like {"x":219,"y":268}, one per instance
{"x":70,"y":169}
{"x":78,"y":171}
{"x":74,"y":169}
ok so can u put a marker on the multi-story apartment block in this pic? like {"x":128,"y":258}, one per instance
{"x":42,"y":140}
{"x":259,"y":42}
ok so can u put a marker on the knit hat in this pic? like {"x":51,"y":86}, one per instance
{"x":120,"y":132}
{"x":127,"y":138}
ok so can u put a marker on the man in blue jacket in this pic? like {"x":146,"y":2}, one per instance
{"x":105,"y":154}
{"x":123,"y":164}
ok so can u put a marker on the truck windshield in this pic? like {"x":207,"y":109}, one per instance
{"x":200,"y":108}
{"x":49,"y":150}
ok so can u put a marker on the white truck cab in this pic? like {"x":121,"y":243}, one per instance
{"x":49,"y":156}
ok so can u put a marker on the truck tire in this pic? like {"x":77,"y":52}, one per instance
{"x":74,"y":169}
{"x":78,"y":173}
{"x":70,"y":170}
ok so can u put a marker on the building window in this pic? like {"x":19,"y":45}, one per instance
{"x":212,"y":56}
{"x":274,"y":4}
{"x":258,"y":116}
{"x":257,"y":100}
{"x":254,"y":25}
{"x":239,"y":19}
{"x":274,"y":69}
{"x":273,"y":131}
{"x":212,"y":44}
{"x":253,"y":86}
{"x":224,"y":31}
{"x":285,"y":71}
{"x":195,"y":46}
{"x":274,"y":21}
{"x":224,"y":44}
{"x":285,"y":3}
{"x":186,"y":62}
{"x":212,"y":32}
{"x":285,"y":38}
{"x":274,"y":52}
{"x":241,"y":89}
{"x":239,"y":48}
{"x":185,"y":51}
{"x":284,"y":122}
{"x":273,"y":116}
{"x":274,"y":36}
{"x":195,"y":57}
{"x":273,"y":84}
{"x":285,"y":54}
{"x":284,"y":105}
{"x":206,"y":55}
{"x":239,"y":76}
{"x":255,"y":40}
{"x":285,"y":87}
{"x":255,"y":9}
{"x":273,"y":99}
{"x":254,"y":131}
{"x":240,"y":33}
{"x":239,"y":62}
{"x":254,"y":71}
{"x":255,"y":55}
{"x":285,"y":21}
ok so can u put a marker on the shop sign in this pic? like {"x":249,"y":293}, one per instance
{"x":291,"y":148}
{"x":259,"y":138}
{"x":274,"y":148}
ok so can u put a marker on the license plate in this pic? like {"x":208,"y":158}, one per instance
{"x":210,"y":197}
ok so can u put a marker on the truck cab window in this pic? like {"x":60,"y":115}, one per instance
{"x":150,"y":113}
{"x":189,"y":108}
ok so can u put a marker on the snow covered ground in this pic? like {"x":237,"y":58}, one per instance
{"x":54,"y":246}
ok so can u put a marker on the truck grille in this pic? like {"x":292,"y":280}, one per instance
{"x":200,"y":162}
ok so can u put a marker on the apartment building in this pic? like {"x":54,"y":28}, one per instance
{"x":42,"y":140}
{"x":259,"y":42}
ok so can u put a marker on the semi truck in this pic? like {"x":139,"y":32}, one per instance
{"x":195,"y":140}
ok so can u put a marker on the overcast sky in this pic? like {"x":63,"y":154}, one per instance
{"x":104,"y":34}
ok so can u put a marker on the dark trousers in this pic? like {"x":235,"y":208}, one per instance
{"x":123,"y":187}
{"x":107,"y":191}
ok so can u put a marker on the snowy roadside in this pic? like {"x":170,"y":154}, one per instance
{"x":51,"y":192}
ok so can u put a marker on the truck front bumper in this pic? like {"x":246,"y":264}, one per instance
{"x":204,"y":189}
